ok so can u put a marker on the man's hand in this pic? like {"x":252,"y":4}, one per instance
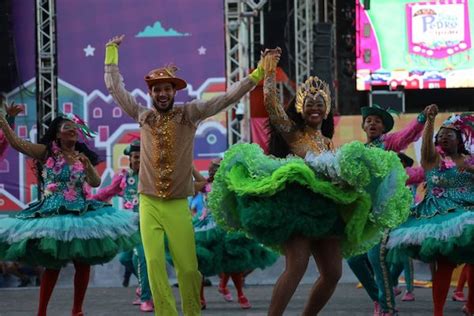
{"x":431,"y":111}
{"x":270,"y":59}
{"x":13,"y":110}
{"x":116,"y":40}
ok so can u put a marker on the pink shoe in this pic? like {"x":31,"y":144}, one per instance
{"x":376,"y":309}
{"x":458,"y":296}
{"x":244,"y":302}
{"x":395,"y":313}
{"x":408,"y":297}
{"x":397,"y":291}
{"x":147,"y":306}
{"x":137,"y":300}
{"x":225,"y":292}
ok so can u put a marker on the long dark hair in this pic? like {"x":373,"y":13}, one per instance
{"x":461,"y":146}
{"x":278,"y":147}
{"x":51,"y":136}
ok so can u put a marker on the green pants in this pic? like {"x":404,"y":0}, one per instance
{"x":407,"y":266}
{"x":159,"y":217}
{"x":139,"y":264}
{"x":373,"y":272}
{"x":126,"y":259}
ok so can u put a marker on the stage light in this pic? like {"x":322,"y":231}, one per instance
{"x":233,"y":26}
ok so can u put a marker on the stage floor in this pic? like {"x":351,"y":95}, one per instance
{"x":347,"y":300}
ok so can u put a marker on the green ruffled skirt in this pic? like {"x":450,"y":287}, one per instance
{"x":354,"y":193}
{"x":220,"y":251}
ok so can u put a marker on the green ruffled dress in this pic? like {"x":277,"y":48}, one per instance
{"x":220,"y":251}
{"x":354,"y":193}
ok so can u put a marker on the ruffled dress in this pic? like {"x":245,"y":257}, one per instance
{"x":353,"y":193}
{"x":64,"y":226}
{"x":220,"y":251}
{"x":442,"y":225}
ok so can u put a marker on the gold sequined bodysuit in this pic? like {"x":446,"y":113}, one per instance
{"x":299,"y":141}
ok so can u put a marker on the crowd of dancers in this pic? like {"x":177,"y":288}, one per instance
{"x":303,"y":198}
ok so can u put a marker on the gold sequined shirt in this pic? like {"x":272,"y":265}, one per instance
{"x":166,"y":156}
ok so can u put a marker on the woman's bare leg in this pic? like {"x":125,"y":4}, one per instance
{"x":328,"y":256}
{"x":297,"y":251}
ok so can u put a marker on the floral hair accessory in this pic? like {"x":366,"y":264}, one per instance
{"x":85,"y":130}
{"x":464,"y":123}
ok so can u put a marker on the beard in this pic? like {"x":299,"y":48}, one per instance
{"x":161,"y":109}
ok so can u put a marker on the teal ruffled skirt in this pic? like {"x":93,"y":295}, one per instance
{"x":94,"y":235}
{"x":449,"y":235}
{"x":353,"y":193}
{"x":442,"y":225}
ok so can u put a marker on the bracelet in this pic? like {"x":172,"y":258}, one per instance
{"x":421,"y":118}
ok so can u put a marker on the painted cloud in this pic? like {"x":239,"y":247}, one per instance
{"x":157,"y":30}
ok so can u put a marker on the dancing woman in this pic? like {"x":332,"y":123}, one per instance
{"x":125,"y":184}
{"x":64,"y":226}
{"x":441,"y":227}
{"x":227,"y":254}
{"x":316,"y":207}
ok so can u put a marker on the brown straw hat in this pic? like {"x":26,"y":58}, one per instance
{"x":165,"y":74}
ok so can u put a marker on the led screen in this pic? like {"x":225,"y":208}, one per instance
{"x":415,"y":44}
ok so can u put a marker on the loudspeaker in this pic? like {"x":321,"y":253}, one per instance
{"x":322,"y":48}
{"x":8,"y":70}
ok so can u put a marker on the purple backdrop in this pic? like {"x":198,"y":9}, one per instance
{"x":187,"y":33}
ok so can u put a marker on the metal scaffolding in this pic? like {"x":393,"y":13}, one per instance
{"x":307,"y":13}
{"x":305,"y":18}
{"x":46,"y":65}
{"x":330,"y":13}
{"x":243,"y":30}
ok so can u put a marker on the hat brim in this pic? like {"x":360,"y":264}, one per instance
{"x":386,"y":117}
{"x":130,"y":149}
{"x":178,"y":83}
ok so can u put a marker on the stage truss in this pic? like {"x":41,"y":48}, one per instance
{"x":46,"y":65}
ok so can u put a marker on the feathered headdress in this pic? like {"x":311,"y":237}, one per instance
{"x":464,"y":123}
{"x":313,"y":86}
{"x":85,"y":130}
